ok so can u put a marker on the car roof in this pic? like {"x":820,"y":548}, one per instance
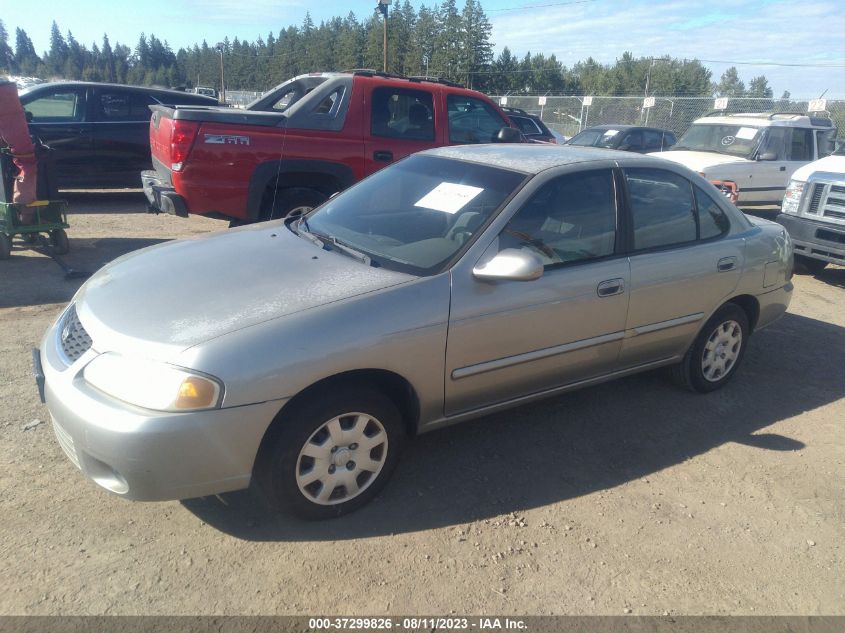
{"x":765,"y":119}
{"x":626,"y":126}
{"x":98,"y":84}
{"x":535,"y":158}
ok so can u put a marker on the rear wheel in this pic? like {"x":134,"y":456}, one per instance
{"x":716,"y":353}
{"x":808,"y":265}
{"x":59,"y":241}
{"x":292,"y":202}
{"x":332,"y":454}
{"x":5,"y":246}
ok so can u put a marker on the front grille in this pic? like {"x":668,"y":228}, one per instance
{"x":73,"y":337}
{"x":818,"y":191}
{"x":830,"y":236}
{"x":66,"y":442}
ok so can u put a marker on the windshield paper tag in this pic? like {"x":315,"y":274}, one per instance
{"x":448,"y":197}
{"x":610,"y":133}
{"x":746,"y":133}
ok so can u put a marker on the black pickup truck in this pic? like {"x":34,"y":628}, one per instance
{"x":100,"y":132}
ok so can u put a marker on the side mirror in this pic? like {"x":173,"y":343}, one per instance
{"x":508,"y":135}
{"x":768,"y":156}
{"x":28,"y":116}
{"x":510,"y":264}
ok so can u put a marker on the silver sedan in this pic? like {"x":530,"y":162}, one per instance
{"x":298,"y":356}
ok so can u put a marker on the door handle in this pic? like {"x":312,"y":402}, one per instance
{"x":725,"y":264}
{"x":383,"y":156}
{"x":782,"y":168}
{"x":611,"y":287}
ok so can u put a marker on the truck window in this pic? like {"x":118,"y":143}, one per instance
{"x":800,"y":145}
{"x":825,"y":142}
{"x":472,"y":120}
{"x":329,"y":104}
{"x":402,"y":113}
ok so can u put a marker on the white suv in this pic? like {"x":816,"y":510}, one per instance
{"x":757,"y":152}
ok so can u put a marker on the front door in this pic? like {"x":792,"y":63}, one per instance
{"x":58,"y":118}
{"x":513,"y":338}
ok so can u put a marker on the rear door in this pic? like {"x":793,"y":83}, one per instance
{"x":59,"y":120}
{"x":121,"y":120}
{"x":399,"y":121}
{"x":684,"y":263}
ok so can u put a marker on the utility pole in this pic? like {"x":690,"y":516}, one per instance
{"x":382,"y":8}
{"x":222,"y":84}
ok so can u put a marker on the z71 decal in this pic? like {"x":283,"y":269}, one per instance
{"x":226,"y":139}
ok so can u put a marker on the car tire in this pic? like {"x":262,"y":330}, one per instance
{"x":292,"y":202}
{"x":59,"y":241}
{"x":5,"y":246}
{"x":808,"y":265}
{"x":320,"y":448}
{"x":716,"y":353}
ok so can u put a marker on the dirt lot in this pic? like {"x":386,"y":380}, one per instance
{"x":628,"y":497}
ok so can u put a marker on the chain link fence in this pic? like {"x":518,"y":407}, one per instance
{"x":240,"y":98}
{"x":569,"y":115}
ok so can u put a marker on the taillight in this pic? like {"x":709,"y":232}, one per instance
{"x":182,"y":137}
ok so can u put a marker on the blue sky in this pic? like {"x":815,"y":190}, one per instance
{"x":783,"y":31}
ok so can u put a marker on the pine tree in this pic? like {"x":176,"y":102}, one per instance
{"x":730,"y":85}
{"x":26,"y":60}
{"x":476,"y":49}
{"x":6,"y":54}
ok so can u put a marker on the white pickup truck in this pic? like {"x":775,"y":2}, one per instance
{"x":757,"y":152}
{"x":813,"y":212}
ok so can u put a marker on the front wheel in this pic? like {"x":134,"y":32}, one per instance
{"x":716,"y":353}
{"x":332,"y":454}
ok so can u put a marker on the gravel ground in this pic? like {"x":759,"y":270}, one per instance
{"x":630,"y":497}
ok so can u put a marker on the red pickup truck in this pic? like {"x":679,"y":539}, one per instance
{"x":309,"y":138}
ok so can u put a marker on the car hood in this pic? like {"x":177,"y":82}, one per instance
{"x":828,"y":164}
{"x":699,"y":161}
{"x":164,"y":299}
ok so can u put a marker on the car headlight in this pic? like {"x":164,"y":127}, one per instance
{"x":153,"y":385}
{"x":792,"y":198}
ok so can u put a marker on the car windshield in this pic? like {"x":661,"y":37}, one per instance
{"x":595,"y":138}
{"x":736,"y":140}
{"x":414,"y":216}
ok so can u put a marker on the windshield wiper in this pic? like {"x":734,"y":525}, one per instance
{"x":330,"y":241}
{"x":348,"y":250}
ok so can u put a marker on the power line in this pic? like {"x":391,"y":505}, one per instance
{"x":795,"y":65}
{"x":540,"y":6}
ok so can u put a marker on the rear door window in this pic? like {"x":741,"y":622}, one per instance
{"x":800,"y":144}
{"x":402,"y":113}
{"x":472,"y":120}
{"x":113,"y":106}
{"x":662,"y":208}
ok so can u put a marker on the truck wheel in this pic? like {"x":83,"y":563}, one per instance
{"x":808,"y":265}
{"x":5,"y":246}
{"x":59,"y":241}
{"x":332,"y":454}
{"x":292,"y":202}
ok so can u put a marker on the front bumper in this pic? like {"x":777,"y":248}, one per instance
{"x":818,"y":240}
{"x":148,"y":455}
{"x":161,"y":196}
